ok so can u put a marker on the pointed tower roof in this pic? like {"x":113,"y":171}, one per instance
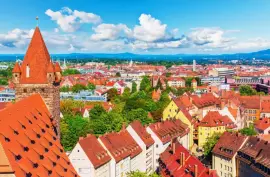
{"x":57,"y":67}
{"x":37,"y":58}
{"x":50,"y":68}
{"x":17,"y":68}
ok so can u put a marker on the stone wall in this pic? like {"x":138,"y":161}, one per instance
{"x":50,"y":94}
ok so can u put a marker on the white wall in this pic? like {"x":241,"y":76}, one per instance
{"x":83,"y":165}
{"x":80,"y":162}
{"x":147,"y":159}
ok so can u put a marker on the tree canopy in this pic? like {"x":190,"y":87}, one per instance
{"x":145,"y":84}
{"x":249,"y":131}
{"x":78,"y":87}
{"x":70,"y":72}
{"x":210,"y":143}
{"x":246,"y":90}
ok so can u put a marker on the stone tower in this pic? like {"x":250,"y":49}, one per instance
{"x":38,"y":74}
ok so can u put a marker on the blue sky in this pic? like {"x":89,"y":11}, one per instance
{"x":138,"y":26}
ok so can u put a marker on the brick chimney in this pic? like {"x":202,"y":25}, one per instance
{"x":195,"y":170}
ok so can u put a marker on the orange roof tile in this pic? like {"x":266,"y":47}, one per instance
{"x":28,"y":139}
{"x":262,"y":123}
{"x":168,"y":129}
{"x":57,"y":67}
{"x":17,"y":68}
{"x":215,"y":119}
{"x":94,"y":151}
{"x":121,"y":145}
{"x":50,"y":68}
{"x":37,"y":58}
{"x":143,"y":134}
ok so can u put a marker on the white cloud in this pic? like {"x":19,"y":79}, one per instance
{"x":71,"y":48}
{"x":210,"y":37}
{"x":109,"y":31}
{"x":150,"y":29}
{"x":56,"y":30}
{"x":16,"y":38}
{"x":70,"y":21}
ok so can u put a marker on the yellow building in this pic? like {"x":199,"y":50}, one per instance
{"x":212,"y":123}
{"x":225,"y":151}
{"x":186,"y":118}
{"x":170,"y":111}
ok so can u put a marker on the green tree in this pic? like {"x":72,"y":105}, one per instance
{"x":246,"y":90}
{"x":64,"y":89}
{"x":66,"y":106}
{"x":70,"y":72}
{"x":73,"y":127}
{"x":134,"y":87}
{"x":168,"y":74}
{"x":145,"y":84}
{"x":141,"y":174}
{"x":91,"y":86}
{"x":118,"y":74}
{"x":138,"y":114}
{"x":210,"y":143}
{"x":78,"y":87}
{"x":95,"y":112}
{"x":111,"y":94}
{"x":249,"y":131}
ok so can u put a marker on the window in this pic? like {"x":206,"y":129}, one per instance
{"x":157,"y":146}
{"x":221,"y":166}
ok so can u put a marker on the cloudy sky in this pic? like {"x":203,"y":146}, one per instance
{"x":137,"y":26}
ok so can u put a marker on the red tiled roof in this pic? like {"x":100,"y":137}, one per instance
{"x":205,"y":100}
{"x":262,"y":123}
{"x":250,"y":102}
{"x":50,"y":68}
{"x":228,"y":144}
{"x":169,"y":129}
{"x":94,"y":151}
{"x":29,"y":142}
{"x":57,"y":67}
{"x":143,"y":134}
{"x":17,"y":68}
{"x":214,"y":119}
{"x":37,"y":58}
{"x":121,"y":145}
{"x":265,"y":106}
{"x":3,"y":105}
{"x":255,"y":152}
{"x":182,"y":163}
{"x":183,"y":101}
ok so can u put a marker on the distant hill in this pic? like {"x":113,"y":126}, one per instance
{"x":263,"y":54}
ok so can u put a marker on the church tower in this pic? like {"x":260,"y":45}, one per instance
{"x":38,"y":74}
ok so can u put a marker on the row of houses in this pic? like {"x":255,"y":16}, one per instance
{"x":236,"y":155}
{"x":135,"y":147}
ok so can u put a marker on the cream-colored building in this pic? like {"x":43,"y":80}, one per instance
{"x":224,"y":153}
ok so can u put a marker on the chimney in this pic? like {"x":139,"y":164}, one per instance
{"x":183,"y":159}
{"x":174,"y":147}
{"x":180,"y":158}
{"x":195,"y":170}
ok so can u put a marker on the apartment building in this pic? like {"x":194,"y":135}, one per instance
{"x":146,"y":142}
{"x":224,"y":153}
{"x":89,"y":158}
{"x":164,"y":132}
